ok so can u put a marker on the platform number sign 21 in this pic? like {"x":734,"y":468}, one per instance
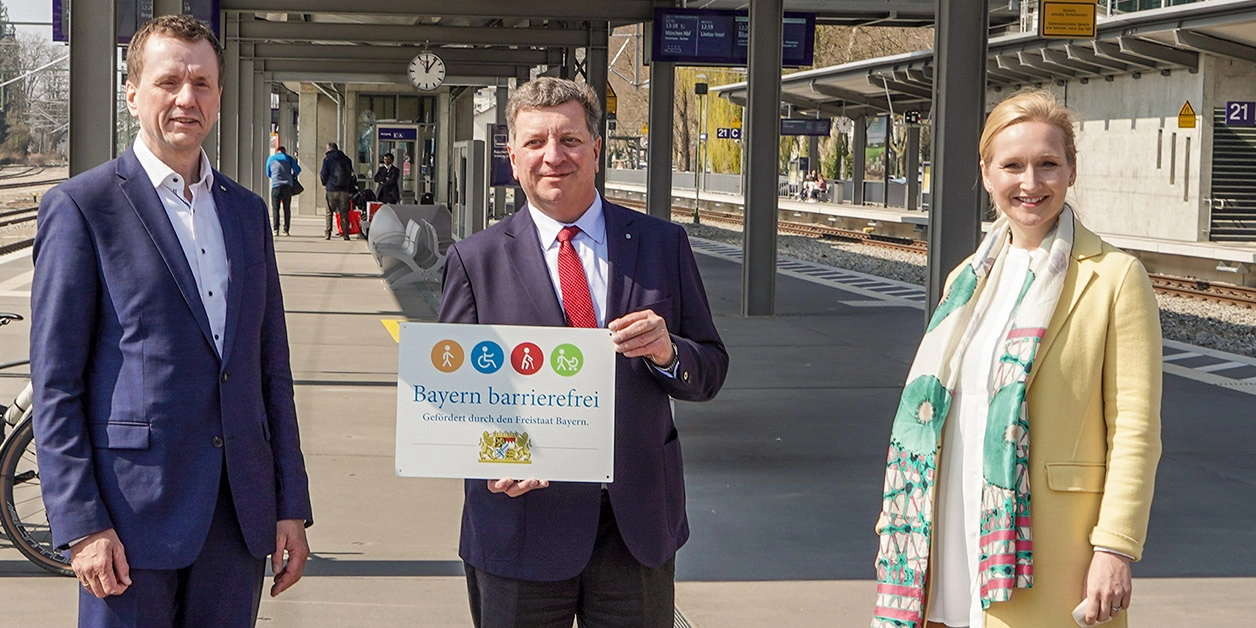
{"x":1240,"y":113}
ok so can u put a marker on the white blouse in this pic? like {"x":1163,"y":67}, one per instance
{"x":954,"y":599}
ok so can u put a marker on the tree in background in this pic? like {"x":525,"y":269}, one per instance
{"x":6,"y":41}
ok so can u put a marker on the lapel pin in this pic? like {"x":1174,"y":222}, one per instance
{"x":627,"y":236}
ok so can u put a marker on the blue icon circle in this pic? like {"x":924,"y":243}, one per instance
{"x":487,"y":357}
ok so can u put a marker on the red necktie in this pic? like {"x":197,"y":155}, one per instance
{"x":577,"y":301}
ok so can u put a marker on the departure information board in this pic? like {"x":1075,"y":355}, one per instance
{"x":722,"y":38}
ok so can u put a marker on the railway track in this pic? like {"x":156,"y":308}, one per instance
{"x":1238,"y":296}
{"x":30,"y":184}
{"x":802,"y":228}
{"x":11,"y":217}
{"x":1206,"y":290}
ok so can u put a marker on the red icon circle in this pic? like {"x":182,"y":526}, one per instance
{"x":527,"y":358}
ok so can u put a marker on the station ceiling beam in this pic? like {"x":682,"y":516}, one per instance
{"x":1086,"y":54}
{"x":1061,"y":58}
{"x":1158,"y":52}
{"x":594,"y":10}
{"x":900,"y":87}
{"x":1035,"y":59}
{"x":396,"y":70}
{"x":1006,"y":76}
{"x":1111,"y":50}
{"x":454,"y":56}
{"x":850,"y":97}
{"x":1015,"y":64}
{"x":264,"y":30}
{"x":802,"y":104}
{"x":1215,"y":45}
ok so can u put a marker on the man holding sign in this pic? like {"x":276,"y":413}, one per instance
{"x":538,"y":554}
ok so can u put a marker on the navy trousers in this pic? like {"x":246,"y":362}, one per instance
{"x":222,"y":588}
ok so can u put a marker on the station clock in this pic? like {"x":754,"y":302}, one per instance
{"x":427,"y":71}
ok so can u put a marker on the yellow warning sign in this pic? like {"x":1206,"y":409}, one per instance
{"x":612,"y":101}
{"x":1186,"y":116}
{"x":1067,"y":19}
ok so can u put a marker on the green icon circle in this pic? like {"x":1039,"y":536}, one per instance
{"x":566,"y":360}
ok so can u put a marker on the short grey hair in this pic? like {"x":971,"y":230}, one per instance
{"x":548,"y":91}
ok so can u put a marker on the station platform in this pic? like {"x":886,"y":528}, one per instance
{"x":1175,"y":257}
{"x":783,"y":468}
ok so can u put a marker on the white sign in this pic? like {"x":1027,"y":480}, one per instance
{"x":496,"y":401}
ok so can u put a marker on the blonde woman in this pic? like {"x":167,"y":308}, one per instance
{"x":1024,"y":450}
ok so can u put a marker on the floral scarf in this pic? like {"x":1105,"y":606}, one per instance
{"x":1006,"y":560}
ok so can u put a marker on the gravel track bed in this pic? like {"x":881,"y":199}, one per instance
{"x":1200,"y":323}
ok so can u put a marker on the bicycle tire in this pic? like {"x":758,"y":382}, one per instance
{"x":23,"y":517}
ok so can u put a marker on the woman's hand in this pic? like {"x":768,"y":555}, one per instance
{"x":1107,"y":586}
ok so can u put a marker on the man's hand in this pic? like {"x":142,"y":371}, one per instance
{"x":290,"y":539}
{"x":514,"y":489}
{"x":642,"y":333}
{"x":1107,"y":586}
{"x":99,"y":562}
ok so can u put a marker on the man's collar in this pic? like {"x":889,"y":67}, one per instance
{"x":157,"y":170}
{"x":592,"y":222}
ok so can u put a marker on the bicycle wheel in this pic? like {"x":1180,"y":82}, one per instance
{"x":23,"y":516}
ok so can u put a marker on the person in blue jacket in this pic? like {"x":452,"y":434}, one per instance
{"x":282,"y":169}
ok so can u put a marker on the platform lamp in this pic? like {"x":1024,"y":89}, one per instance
{"x":699,"y":90}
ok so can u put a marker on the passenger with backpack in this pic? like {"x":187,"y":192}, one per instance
{"x":339,"y":181}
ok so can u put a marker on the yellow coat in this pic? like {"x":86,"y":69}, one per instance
{"x":1094,"y":431}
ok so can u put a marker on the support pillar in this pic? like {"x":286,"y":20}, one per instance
{"x":93,"y":73}
{"x":959,"y":111}
{"x":813,"y":152}
{"x":658,"y":173}
{"x":759,"y":182}
{"x":261,"y":132}
{"x":499,"y":194}
{"x":520,"y":199}
{"x":310,"y":149}
{"x":859,"y":157}
{"x":229,"y":114}
{"x":596,"y":61}
{"x":913,"y":166}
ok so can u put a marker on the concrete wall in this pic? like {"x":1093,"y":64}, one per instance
{"x":1134,"y":176}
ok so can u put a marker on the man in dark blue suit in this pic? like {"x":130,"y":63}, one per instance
{"x":538,"y":554}
{"x":164,"y":415}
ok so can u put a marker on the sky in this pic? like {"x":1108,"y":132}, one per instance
{"x":31,"y":11}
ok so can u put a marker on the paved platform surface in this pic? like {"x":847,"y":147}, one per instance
{"x":783,"y":469}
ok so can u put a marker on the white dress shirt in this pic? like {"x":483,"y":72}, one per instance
{"x":590,"y":245}
{"x":196,"y":224}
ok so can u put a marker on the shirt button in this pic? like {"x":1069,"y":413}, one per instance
{"x":225,"y":377}
{"x":215,"y":336}
{"x":211,"y":293}
{"x":216,"y":442}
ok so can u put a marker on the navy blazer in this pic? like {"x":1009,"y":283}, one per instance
{"x":499,"y":277}
{"x":136,"y":414}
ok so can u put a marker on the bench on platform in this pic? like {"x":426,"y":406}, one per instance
{"x":407,"y":242}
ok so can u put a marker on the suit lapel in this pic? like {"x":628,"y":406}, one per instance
{"x":530,"y":270}
{"x":233,"y":241}
{"x":139,"y":191}
{"x":622,"y":243}
{"x":1085,"y":245}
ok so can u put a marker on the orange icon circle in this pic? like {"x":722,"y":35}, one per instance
{"x":447,"y":356}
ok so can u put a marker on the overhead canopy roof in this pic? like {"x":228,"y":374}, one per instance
{"x":1160,"y":40}
{"x":478,"y":39}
